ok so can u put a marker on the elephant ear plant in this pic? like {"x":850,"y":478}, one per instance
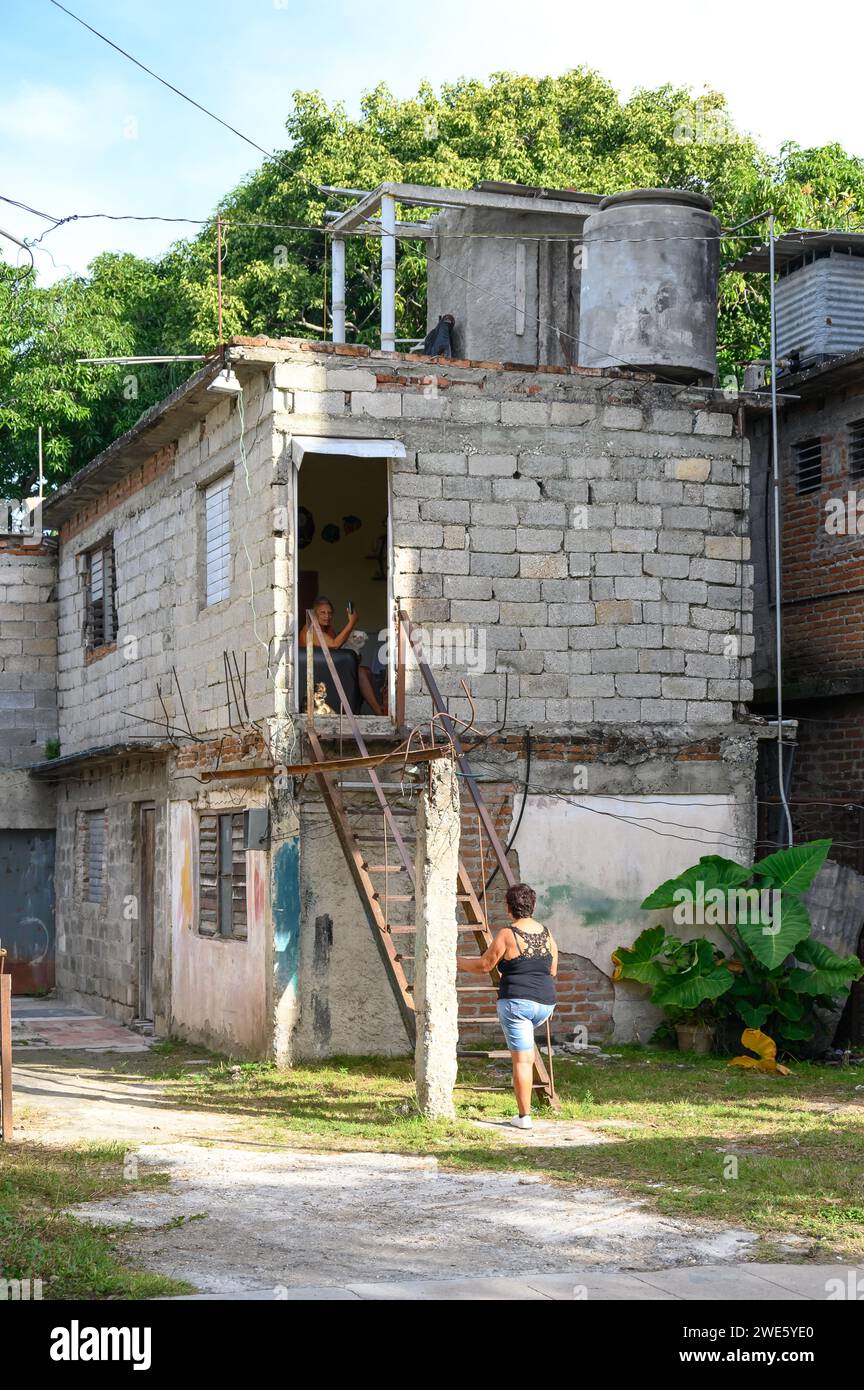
{"x":776,"y":977}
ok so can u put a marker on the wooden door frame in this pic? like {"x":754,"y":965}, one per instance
{"x":146,"y":907}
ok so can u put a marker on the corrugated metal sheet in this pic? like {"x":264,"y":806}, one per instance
{"x":820,"y":308}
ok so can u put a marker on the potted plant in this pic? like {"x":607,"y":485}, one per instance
{"x":777,"y":977}
{"x":686,"y":978}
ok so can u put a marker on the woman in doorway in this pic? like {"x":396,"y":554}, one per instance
{"x":527,"y":959}
{"x":323,"y":610}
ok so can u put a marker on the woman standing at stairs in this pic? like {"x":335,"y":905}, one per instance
{"x":527,"y":959}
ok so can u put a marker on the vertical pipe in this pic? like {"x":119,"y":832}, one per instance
{"x":337,"y":264}
{"x":778,"y":548}
{"x":388,"y":272}
{"x":219,"y":275}
{"x":310,"y":672}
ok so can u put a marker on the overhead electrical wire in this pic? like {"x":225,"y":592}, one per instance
{"x":163,"y":80}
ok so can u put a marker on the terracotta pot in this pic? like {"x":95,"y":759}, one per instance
{"x":695,"y":1037}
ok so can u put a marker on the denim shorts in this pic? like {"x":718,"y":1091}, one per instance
{"x":519,"y":1018}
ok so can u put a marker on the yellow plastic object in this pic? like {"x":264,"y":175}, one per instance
{"x":765,"y":1047}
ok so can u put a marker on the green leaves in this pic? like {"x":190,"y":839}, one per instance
{"x":712,"y":871}
{"x":778,"y":977}
{"x":830,"y":974}
{"x":684,"y":974}
{"x":771,"y":941}
{"x":793,"y":870}
{"x":639,"y":962}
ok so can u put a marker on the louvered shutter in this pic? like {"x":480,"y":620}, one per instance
{"x":94,"y":856}
{"x":222,"y":876}
{"x":102,"y":614}
{"x":217,"y":499}
{"x":208,"y":860}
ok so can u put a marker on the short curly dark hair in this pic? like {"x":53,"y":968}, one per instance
{"x":521,"y":900}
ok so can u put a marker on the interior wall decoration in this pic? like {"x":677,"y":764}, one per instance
{"x":305,"y":527}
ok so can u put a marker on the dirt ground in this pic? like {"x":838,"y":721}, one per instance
{"x":243,"y":1214}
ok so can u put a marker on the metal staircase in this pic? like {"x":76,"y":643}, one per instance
{"x":374,"y":823}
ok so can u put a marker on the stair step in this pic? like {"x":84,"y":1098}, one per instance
{"x":395,"y":897}
{"x":385,"y":868}
{"x":487,"y":1018}
{"x":492,"y":1056}
{"x":475,"y":989}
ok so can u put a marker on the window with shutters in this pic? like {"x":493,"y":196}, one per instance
{"x":217,"y":537}
{"x":101,"y":595}
{"x":808,"y":465}
{"x":92,"y":845}
{"x":856,"y":449}
{"x":222,"y":876}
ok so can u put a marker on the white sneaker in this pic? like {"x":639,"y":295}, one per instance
{"x":522,"y":1122}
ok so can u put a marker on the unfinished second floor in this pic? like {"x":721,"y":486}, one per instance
{"x":571,"y":542}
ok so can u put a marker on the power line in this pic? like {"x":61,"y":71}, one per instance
{"x":165,"y":83}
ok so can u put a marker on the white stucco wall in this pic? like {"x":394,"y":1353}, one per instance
{"x":593,"y":861}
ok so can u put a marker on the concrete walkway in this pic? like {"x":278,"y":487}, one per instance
{"x":702,"y":1283}
{"x":47,"y":1023}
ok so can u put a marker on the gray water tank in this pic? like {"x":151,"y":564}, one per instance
{"x":649,"y":284}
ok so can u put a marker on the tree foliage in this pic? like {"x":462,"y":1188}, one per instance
{"x":572,"y":131}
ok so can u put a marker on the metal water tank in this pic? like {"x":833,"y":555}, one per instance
{"x":649,"y":284}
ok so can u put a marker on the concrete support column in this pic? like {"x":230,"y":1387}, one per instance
{"x":435,"y":998}
{"x":388,"y":273}
{"x":284,"y":982}
{"x":337,"y":267}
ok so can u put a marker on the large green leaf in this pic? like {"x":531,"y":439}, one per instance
{"x":794,"y":869}
{"x":639,"y":961}
{"x":712,"y":871}
{"x":772,"y":942}
{"x":831,"y":974}
{"x":795,"y":1032}
{"x":754,"y":1016}
{"x":692,"y":987}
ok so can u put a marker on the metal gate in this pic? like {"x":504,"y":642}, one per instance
{"x":27,"y":908}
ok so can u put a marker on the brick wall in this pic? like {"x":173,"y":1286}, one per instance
{"x":829,"y":767}
{"x":823,"y":572}
{"x":584,"y":993}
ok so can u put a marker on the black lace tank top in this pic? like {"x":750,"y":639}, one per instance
{"x":528,"y":976}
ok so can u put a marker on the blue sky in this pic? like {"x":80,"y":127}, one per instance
{"x":81,"y":129}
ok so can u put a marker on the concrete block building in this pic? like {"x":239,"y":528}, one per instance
{"x":553,"y":555}
{"x":570,"y":542}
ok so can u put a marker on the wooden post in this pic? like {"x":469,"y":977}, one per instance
{"x":310,"y":672}
{"x":5,"y":1054}
{"x":400,"y":669}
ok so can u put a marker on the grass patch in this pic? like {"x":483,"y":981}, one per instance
{"x":681,"y":1127}
{"x":783,"y":1156}
{"x":39,"y":1240}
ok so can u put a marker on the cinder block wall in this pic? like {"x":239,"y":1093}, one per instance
{"x":155,"y":515}
{"x":28,"y":664}
{"x":590,"y":530}
{"x":97,"y":942}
